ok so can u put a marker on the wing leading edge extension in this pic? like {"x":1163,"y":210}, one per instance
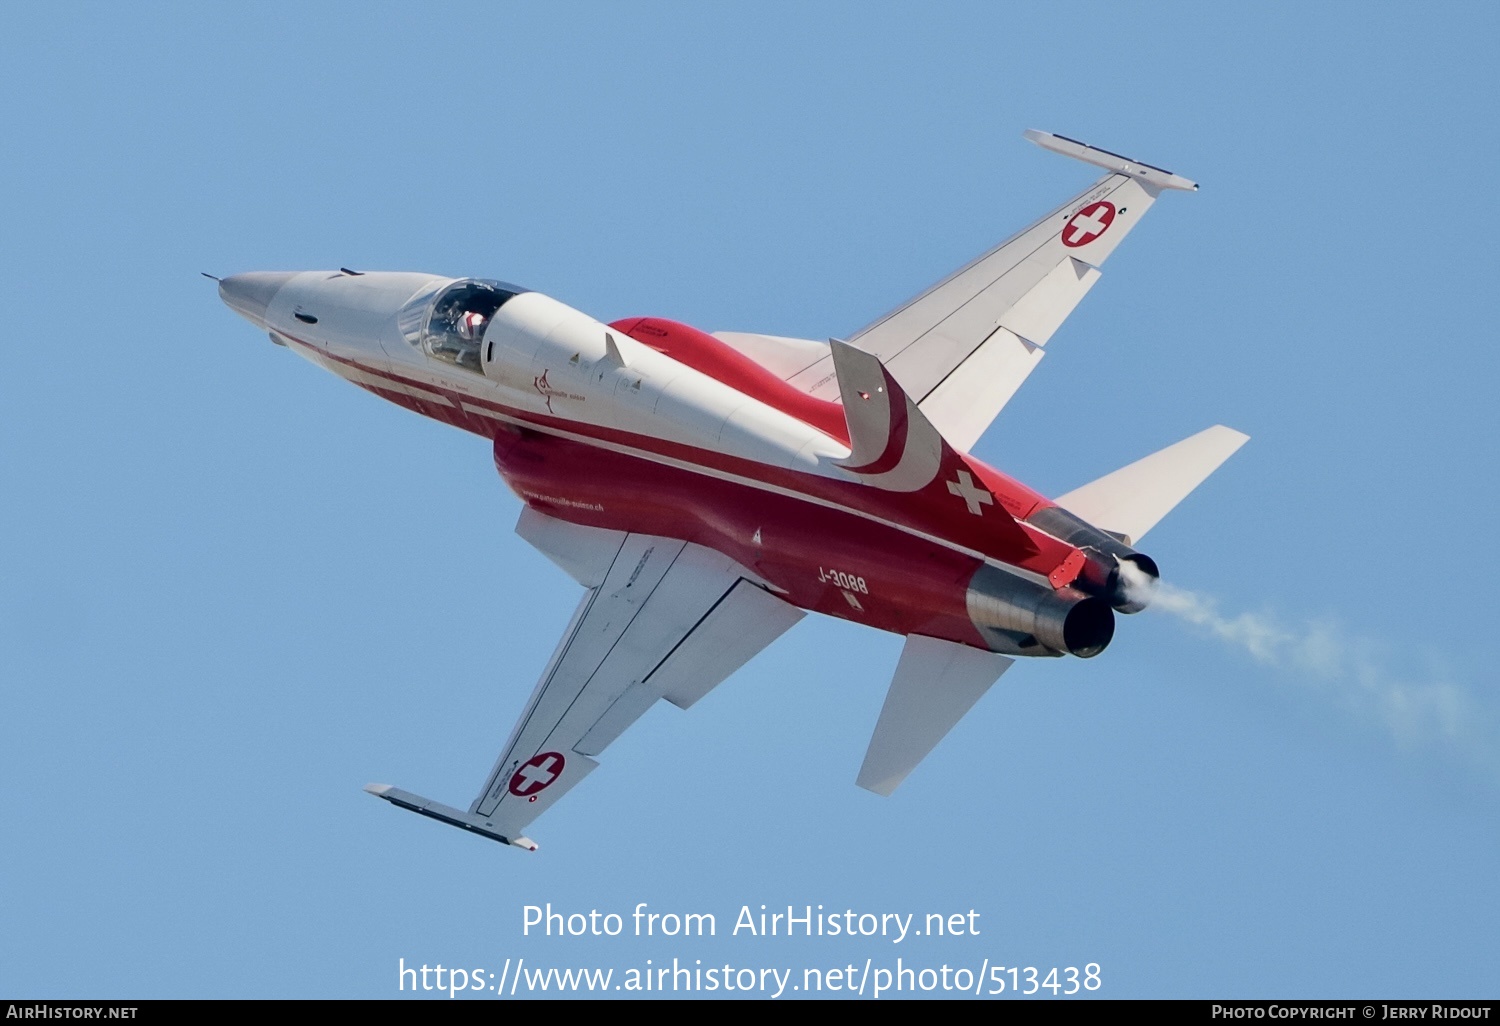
{"x":663,"y":619}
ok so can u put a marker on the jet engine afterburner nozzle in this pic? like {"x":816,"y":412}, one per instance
{"x":1018,"y":617}
{"x":1112,"y":569}
{"x":1136,"y":579}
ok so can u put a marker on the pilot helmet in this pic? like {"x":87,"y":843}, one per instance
{"x":470,"y":326}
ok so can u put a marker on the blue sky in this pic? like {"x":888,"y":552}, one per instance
{"x":233,"y":589}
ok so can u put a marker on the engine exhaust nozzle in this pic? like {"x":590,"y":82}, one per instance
{"x":1019,"y":617}
{"x":1113,"y":570}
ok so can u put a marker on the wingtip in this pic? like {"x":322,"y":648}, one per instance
{"x":1110,"y":161}
{"x":1232,"y":432}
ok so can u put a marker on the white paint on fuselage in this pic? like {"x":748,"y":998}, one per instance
{"x":356,"y":314}
{"x":533,"y":336}
{"x":357,"y":321}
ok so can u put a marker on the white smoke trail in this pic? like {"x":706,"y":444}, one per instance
{"x":1359,"y":673}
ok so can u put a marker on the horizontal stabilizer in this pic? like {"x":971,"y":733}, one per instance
{"x":936,"y":682}
{"x":1133,"y":499}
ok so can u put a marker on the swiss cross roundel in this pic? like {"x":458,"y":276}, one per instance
{"x":537,"y":774}
{"x":1088,"y":224}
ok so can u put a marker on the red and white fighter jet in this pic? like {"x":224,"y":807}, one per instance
{"x":708,"y":489}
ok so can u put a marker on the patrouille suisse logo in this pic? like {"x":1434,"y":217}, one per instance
{"x":549,"y":393}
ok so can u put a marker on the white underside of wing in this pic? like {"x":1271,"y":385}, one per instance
{"x":663,"y":619}
{"x":967,"y":401}
{"x":1029,"y":284}
{"x":954,"y":347}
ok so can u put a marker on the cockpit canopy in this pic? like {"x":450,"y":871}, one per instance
{"x":450,"y":324}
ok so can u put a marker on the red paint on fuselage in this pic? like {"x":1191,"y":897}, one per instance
{"x":677,"y":513}
{"x":707,"y":355}
{"x":822,"y":559}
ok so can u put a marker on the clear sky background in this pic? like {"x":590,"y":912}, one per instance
{"x":234,"y":589}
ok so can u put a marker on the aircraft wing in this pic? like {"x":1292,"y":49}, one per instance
{"x":662,"y":619}
{"x":964,"y":346}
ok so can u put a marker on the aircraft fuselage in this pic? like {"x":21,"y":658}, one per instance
{"x":653,"y":427}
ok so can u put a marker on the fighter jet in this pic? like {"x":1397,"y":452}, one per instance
{"x":708,"y":490}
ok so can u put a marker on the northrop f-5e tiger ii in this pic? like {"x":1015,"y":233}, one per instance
{"x":707,"y":490}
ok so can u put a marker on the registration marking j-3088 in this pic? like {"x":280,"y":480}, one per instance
{"x":840,"y":579}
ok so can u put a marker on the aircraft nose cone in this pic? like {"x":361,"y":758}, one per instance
{"x":250,"y":294}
